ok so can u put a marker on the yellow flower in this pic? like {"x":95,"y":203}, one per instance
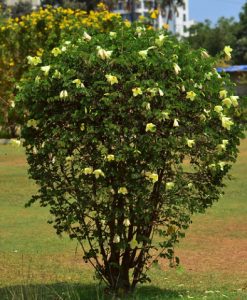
{"x":223,"y":94}
{"x":165,"y":115}
{"x":152,"y":91}
{"x":78,"y":83}
{"x":205,"y":54}
{"x":56,"y":51}
{"x":34,"y":61}
{"x":160,"y":40}
{"x":35,"y":150}
{"x":110,"y":157}
{"x":103,"y":54}
{"x":166,"y":26}
{"x":86,"y":36}
{"x":150,"y":127}
{"x":113,"y":34}
{"x":57,"y":74}
{"x":143,"y":54}
{"x":199,"y":86}
{"x":63,"y":94}
{"x":234,"y":100}
{"x":182,"y":88}
{"x":222,"y":165}
{"x":126,"y":222}
{"x":111,"y":79}
{"x":82,"y":127}
{"x":218,"y":109}
{"x":136,"y":91}
{"x":161,"y":93}
{"x":133,"y":244}
{"x":88,"y":170}
{"x":97,"y":173}
{"x":190,"y":143}
{"x":190,"y":185}
{"x":170,"y":185}
{"x":122,"y":190}
{"x":147,"y":106}
{"x":37,"y":79}
{"x":69,"y":158}
{"x":154,"y":14}
{"x":191,"y":95}
{"x":227,"y":102}
{"x":116,"y":239}
{"x":176,"y":68}
{"x":32,"y":123}
{"x":227,"y":50}
{"x":11,"y":63}
{"x":226,"y":122}
{"x":40,"y":52}
{"x":175,"y":123}
{"x":127,"y":23}
{"x":208,"y":75}
{"x":152,"y":176}
{"x":212,"y":166}
{"x":222,"y":147}
{"x":46,"y":70}
{"x":139,"y":30}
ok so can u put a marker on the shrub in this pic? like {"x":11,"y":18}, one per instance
{"x":128,"y":134}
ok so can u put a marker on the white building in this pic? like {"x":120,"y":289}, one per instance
{"x":35,"y":3}
{"x":178,"y":19}
{"x":181,"y":21}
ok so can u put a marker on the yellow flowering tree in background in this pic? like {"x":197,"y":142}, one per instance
{"x":128,"y":133}
{"x":28,"y":36}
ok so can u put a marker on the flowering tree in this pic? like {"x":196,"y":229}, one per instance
{"x":128,"y":134}
{"x":29,"y":35}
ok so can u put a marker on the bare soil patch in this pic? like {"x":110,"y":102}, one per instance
{"x":221,"y":252}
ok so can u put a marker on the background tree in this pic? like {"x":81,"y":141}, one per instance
{"x":213,"y":38}
{"x":4,"y":12}
{"x":21,"y":8}
{"x":167,"y":7}
{"x":240,"y":55}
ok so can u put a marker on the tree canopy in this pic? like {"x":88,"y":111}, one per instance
{"x":227,"y":31}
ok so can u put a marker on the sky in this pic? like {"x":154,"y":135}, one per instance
{"x":214,"y":9}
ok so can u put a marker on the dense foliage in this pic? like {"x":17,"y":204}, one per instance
{"x":128,"y":134}
{"x":31,"y":35}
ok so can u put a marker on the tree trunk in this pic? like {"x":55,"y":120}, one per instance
{"x":119,"y":279}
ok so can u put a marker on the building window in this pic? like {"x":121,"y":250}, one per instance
{"x":184,"y":17}
{"x":184,"y":6}
{"x":138,"y":5}
{"x":185,"y":29}
{"x":148,"y":4}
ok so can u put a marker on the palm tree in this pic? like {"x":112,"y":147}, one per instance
{"x":168,"y":7}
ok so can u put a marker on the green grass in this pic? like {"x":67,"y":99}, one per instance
{"x":36,"y":264}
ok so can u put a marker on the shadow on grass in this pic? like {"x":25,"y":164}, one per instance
{"x":70,"y":291}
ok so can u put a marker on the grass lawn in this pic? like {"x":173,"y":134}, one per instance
{"x":36,"y":264}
